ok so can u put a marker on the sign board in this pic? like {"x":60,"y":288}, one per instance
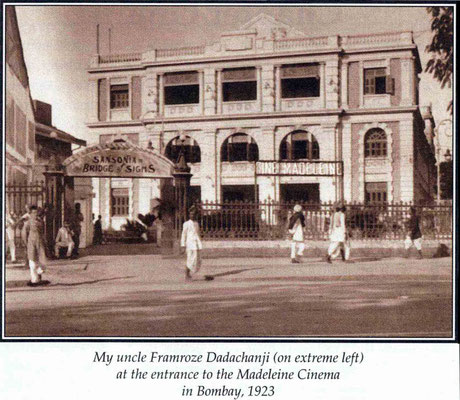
{"x":126,"y":162}
{"x":299,"y":168}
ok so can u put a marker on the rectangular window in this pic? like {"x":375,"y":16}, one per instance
{"x":376,"y":193}
{"x":120,"y":202}
{"x":119,"y":96}
{"x":10,"y":122}
{"x":376,"y":81}
{"x":300,"y":80}
{"x":21,"y":131}
{"x":181,"y":88}
{"x":239,"y":84}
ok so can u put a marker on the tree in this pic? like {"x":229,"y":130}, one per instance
{"x":441,"y":46}
{"x":447,"y":179}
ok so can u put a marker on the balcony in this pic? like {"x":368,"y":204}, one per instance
{"x":240,"y":107}
{"x":182,"y":110}
{"x":301,"y":104}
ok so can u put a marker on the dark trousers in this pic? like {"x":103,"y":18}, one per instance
{"x":76,"y":240}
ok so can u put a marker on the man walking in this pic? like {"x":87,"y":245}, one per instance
{"x":191,"y":243}
{"x":296,"y":227}
{"x":414,"y":234}
{"x":10,"y":225}
{"x":337,"y":233}
{"x":32,"y":235}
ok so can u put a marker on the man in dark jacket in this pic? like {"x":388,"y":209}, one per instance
{"x":414,"y":234}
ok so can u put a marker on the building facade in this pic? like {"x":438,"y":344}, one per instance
{"x":268,"y":113}
{"x":19,"y":112}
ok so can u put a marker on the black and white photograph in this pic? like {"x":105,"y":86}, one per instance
{"x":230,"y":172}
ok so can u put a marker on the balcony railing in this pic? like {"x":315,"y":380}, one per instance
{"x":120,"y":58}
{"x":180,"y":52}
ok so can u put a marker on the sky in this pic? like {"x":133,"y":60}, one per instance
{"x":58,"y":42}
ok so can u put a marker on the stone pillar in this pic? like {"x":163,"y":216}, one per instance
{"x":347,"y":158}
{"x":268,"y":88}
{"x":93,"y":103}
{"x":209,"y":91}
{"x":407,"y":81}
{"x":332,"y":84}
{"x":134,"y":198}
{"x":329,"y":187}
{"x":406,"y":143}
{"x":150,"y":95}
{"x":278,"y":88}
{"x":56,"y":208}
{"x":208,"y":166}
{"x":322,"y":83}
{"x":361,"y":84}
{"x":161,"y":96}
{"x":267,"y":188}
{"x":105,"y":204}
{"x":182,"y":178}
{"x":201,"y":84}
{"x":219,"y":91}
{"x":344,"y":86}
{"x":259,"y":88}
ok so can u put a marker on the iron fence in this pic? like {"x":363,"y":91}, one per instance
{"x":18,"y":196}
{"x":269,"y":220}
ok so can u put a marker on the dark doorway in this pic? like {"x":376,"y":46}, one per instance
{"x":239,"y":193}
{"x":302,"y":193}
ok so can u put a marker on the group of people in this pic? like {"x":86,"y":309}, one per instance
{"x":340,"y":237}
{"x":32,"y":226}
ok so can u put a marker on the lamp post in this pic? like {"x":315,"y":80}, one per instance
{"x":182,"y":178}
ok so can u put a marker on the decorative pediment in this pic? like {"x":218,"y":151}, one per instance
{"x":262,"y":27}
{"x":267,"y":27}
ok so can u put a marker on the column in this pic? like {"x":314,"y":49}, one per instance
{"x":268,"y":88}
{"x":344,"y":86}
{"x":201,"y":83}
{"x":219,"y":91}
{"x":161,"y":96}
{"x":267,"y":188}
{"x":361,"y":84}
{"x":407,"y":81}
{"x":209,"y":92}
{"x":150,"y":96}
{"x":346,"y":156}
{"x":259,"y":88}
{"x":332,"y":84}
{"x":322,"y":82}
{"x":92,"y":111}
{"x":277,"y":88}
{"x":105,"y":206}
{"x":406,"y":131}
{"x":208,"y":166}
{"x":329,"y":190}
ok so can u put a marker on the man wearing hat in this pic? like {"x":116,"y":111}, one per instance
{"x":191,"y":243}
{"x":296,"y":227}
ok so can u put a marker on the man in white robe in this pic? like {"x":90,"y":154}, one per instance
{"x":337,"y":234}
{"x":191,"y":241}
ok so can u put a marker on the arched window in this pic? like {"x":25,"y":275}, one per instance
{"x":375,"y":143}
{"x":299,"y":145}
{"x":239,"y":147}
{"x":191,"y":149}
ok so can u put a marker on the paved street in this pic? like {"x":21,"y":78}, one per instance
{"x":147,"y":296}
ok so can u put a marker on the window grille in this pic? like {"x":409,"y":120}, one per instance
{"x":375,"y":143}
{"x":119,"y":96}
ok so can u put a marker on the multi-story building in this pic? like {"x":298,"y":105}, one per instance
{"x":327,"y":118}
{"x":19,"y":111}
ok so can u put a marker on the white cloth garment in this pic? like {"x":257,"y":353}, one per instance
{"x":417,"y":243}
{"x":192,"y":242}
{"x":337,"y":231}
{"x":298,"y":232}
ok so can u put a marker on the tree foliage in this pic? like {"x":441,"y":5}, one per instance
{"x":441,"y":46}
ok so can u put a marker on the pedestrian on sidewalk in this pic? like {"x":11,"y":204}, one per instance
{"x":414,"y":234}
{"x":32,"y":234}
{"x":345,"y":247}
{"x":191,"y":244}
{"x":98,"y":236}
{"x":64,"y":240}
{"x":337,"y":231}
{"x":296,"y":227}
{"x":76,"y":229}
{"x":10,"y":223}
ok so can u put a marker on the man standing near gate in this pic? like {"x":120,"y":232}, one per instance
{"x":76,"y":229}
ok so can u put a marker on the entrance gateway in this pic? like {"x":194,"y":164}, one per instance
{"x":121,"y":159}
